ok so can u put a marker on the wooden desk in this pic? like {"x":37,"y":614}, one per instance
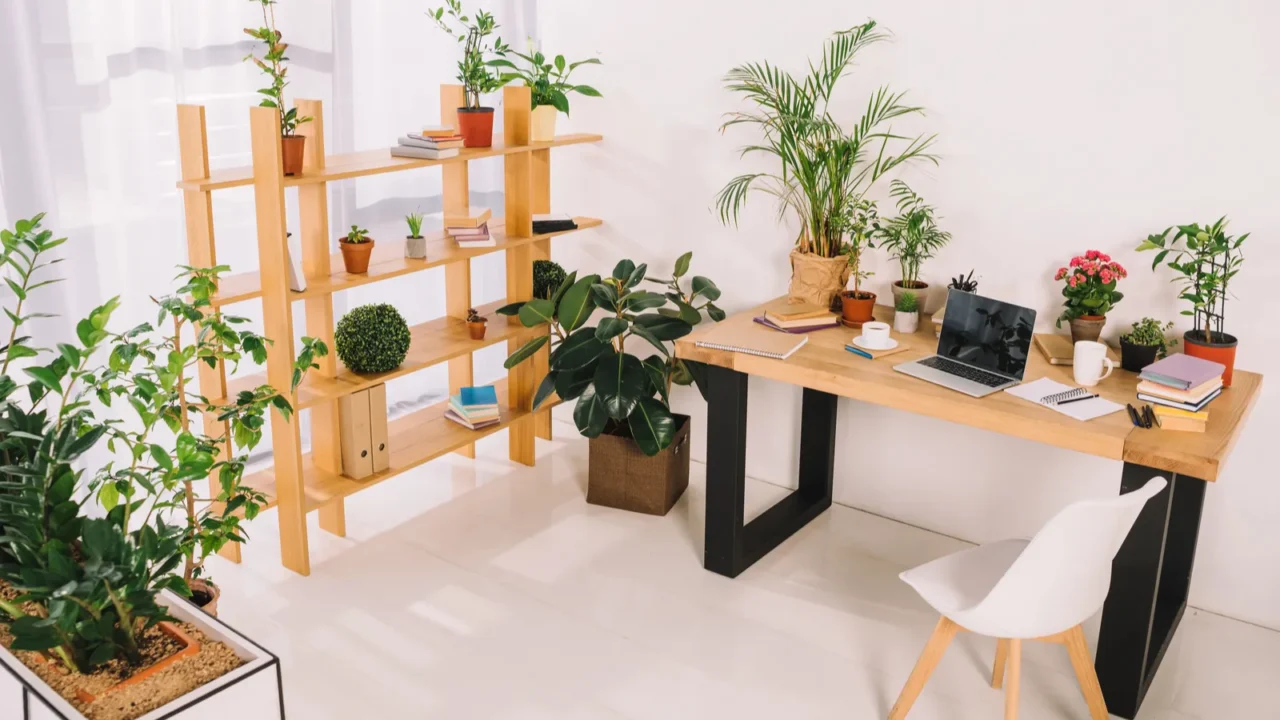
{"x":1151,"y":573}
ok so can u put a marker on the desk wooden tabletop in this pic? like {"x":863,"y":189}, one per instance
{"x":823,"y":364}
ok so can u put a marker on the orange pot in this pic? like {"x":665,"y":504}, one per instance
{"x":857,"y":309}
{"x":1222,"y":350}
{"x":476,"y":127}
{"x":189,"y":648}
{"x":291,"y":147}
{"x":355,"y":256}
{"x":477,"y":329}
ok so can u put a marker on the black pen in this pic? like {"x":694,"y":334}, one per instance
{"x":1133,"y":416}
{"x":1086,"y":397}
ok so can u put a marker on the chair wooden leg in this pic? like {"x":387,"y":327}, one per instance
{"x":997,"y":670}
{"x":1015,"y":676}
{"x":933,"y":651}
{"x":1082,"y":661}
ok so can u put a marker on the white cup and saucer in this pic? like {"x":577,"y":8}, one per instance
{"x":875,"y":336}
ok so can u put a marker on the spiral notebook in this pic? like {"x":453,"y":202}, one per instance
{"x":753,"y":340}
{"x":1052,"y":395}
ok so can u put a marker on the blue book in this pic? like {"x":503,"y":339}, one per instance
{"x":482,"y":396}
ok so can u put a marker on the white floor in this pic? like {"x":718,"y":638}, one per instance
{"x":491,"y":591}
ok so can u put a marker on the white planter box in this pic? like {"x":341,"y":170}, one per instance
{"x":254,"y":691}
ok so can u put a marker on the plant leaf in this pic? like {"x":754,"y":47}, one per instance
{"x":652,"y":426}
{"x":525,"y":352}
{"x":589,"y":414}
{"x":575,"y":307}
{"x":619,"y":382}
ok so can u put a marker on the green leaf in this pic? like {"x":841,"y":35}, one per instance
{"x":682,"y":264}
{"x":636,"y":276}
{"x":575,"y":307}
{"x":715,"y":313}
{"x":644,"y":300}
{"x":526,"y":352}
{"x":664,"y":328}
{"x":704,"y":287}
{"x":589,"y":414}
{"x":510,"y":310}
{"x":643,"y":332}
{"x":623,"y":270}
{"x":605,"y":297}
{"x":45,"y":377}
{"x":610,"y":328}
{"x":571,"y":383}
{"x":619,"y":382}
{"x":652,"y":426}
{"x":656,"y":368}
{"x":537,"y":312}
{"x":586,"y":90}
{"x":577,"y":351}
{"x":70,"y":354}
{"x":16,"y":288}
{"x":545,"y":388}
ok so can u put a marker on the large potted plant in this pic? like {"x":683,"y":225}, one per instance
{"x":824,"y":170}
{"x":475,"y":122}
{"x":1206,"y":262}
{"x":639,"y":455}
{"x":1090,"y":291}
{"x":1145,"y":344}
{"x":548,"y":81}
{"x":911,"y":237}
{"x":272,"y":63}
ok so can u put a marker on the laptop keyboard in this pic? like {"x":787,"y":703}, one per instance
{"x":951,"y":367}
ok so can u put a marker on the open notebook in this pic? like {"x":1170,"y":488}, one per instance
{"x":1050,"y":394}
{"x":753,"y":340}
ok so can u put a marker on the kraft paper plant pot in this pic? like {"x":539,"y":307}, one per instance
{"x":1087,"y":327}
{"x":476,"y":127}
{"x":415,"y":247}
{"x":209,"y":593}
{"x":355,"y":256}
{"x":252,"y":691}
{"x":816,"y":279}
{"x":858,"y":309}
{"x":542,"y":127}
{"x":1222,"y":350}
{"x":1136,"y":357}
{"x":620,"y":476}
{"x":291,"y":149}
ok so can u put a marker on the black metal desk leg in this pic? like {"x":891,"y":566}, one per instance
{"x":1149,"y":582}
{"x":732,"y":546}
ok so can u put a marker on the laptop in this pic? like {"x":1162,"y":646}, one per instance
{"x":983,"y":346}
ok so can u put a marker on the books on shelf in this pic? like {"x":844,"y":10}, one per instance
{"x":439,"y":131}
{"x":475,"y":407}
{"x":1174,"y":419}
{"x":422,"y":153}
{"x":472,"y":237}
{"x":444,"y":143}
{"x":543,"y":224}
{"x":1183,"y":372}
{"x":478,"y":218}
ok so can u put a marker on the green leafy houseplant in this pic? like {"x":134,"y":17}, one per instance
{"x":1206,"y":262}
{"x":547,"y":277}
{"x":547,"y":79}
{"x":272,"y":63}
{"x":372,"y":339}
{"x":861,"y":237}
{"x":413,"y":220}
{"x":1148,"y":332}
{"x":358,"y":235}
{"x":913,"y":236}
{"x":618,"y":392}
{"x":473,"y":33}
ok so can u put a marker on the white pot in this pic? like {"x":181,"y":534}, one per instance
{"x":415,"y":248}
{"x":252,"y":691}
{"x":543,"y":126}
{"x":906,"y":322}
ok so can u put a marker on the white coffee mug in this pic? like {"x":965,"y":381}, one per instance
{"x":876,"y":334}
{"x":1090,"y":357}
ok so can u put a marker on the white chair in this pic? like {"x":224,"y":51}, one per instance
{"x":1039,"y":589}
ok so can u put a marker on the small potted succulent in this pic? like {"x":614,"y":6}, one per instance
{"x":356,"y":248}
{"x":906,"y":313}
{"x":1145,"y":344}
{"x":272,"y":63}
{"x":548,"y":82}
{"x":475,"y":123}
{"x":415,"y":246}
{"x":1090,"y":290}
{"x":857,"y":305}
{"x":476,"y":324}
{"x":911,"y":238}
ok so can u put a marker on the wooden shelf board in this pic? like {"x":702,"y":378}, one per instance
{"x":388,"y":261}
{"x":415,"y":439}
{"x":431,"y":343}
{"x":375,"y":162}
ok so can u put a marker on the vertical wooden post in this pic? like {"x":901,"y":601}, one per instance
{"x":541,"y":204}
{"x":457,"y":276}
{"x":193,"y":148}
{"x":517,"y":114}
{"x":313,"y":214}
{"x":277,"y":312}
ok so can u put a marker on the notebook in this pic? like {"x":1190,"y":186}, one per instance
{"x":1183,"y":371}
{"x":791,"y":313}
{"x":1193,"y":407}
{"x":798,"y":329}
{"x":1051,"y":394}
{"x":751,"y":340}
{"x":1194,"y":395}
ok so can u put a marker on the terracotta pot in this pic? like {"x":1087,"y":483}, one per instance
{"x":355,"y":256}
{"x":620,"y":476}
{"x":476,"y":127}
{"x":1221,"y":350}
{"x":477,"y":329}
{"x":857,"y":309}
{"x":543,"y":126}
{"x":189,"y":648}
{"x":1136,"y":357}
{"x":816,"y":279}
{"x":415,"y":248}
{"x":921,"y":290}
{"x":1087,"y":327}
{"x":291,"y":148}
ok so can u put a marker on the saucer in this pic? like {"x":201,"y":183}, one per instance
{"x":860,"y":342}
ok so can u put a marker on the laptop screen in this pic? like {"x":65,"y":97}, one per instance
{"x":987,"y":333}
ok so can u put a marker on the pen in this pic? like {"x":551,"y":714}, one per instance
{"x":856,"y":351}
{"x":1133,"y":416}
{"x":1086,"y":397}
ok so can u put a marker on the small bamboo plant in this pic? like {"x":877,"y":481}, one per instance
{"x":414,"y":221}
{"x":357,"y":236}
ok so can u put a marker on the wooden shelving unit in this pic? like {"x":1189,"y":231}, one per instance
{"x":300,"y":483}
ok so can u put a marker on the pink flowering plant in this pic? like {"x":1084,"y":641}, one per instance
{"x":1090,"y":285}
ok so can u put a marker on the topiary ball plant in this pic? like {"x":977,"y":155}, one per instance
{"x":547,"y":277}
{"x":372,"y":339}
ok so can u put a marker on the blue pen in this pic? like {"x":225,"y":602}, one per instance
{"x":857,"y":351}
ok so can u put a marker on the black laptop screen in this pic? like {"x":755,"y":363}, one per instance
{"x":987,"y":333}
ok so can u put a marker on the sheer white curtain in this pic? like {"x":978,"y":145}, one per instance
{"x":88,"y":135}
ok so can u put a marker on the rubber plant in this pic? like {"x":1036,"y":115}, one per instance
{"x":618,"y":392}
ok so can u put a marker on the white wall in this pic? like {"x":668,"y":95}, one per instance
{"x":1063,"y":127}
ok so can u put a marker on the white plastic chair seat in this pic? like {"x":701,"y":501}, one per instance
{"x":958,"y":583}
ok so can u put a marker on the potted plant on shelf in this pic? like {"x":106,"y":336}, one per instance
{"x":475,"y":123}
{"x":825,"y":171}
{"x":1206,"y":263}
{"x":547,"y":278}
{"x":372,"y":339}
{"x":961,"y":283}
{"x":906,"y":313}
{"x":272,"y":63}
{"x":639,"y":457}
{"x":356,"y":246}
{"x":415,"y":246}
{"x":911,"y":238}
{"x":1090,"y":290}
{"x":476,"y":324}
{"x":548,"y":82}
{"x":1145,"y":344}
{"x":857,"y":305}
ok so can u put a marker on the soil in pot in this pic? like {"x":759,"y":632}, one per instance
{"x":476,"y":127}
{"x":355,"y":256}
{"x":816,"y":279}
{"x":620,"y":476}
{"x":477,"y":329}
{"x":1136,"y":357}
{"x":291,"y":150}
{"x":204,"y":595}
{"x":1221,"y":350}
{"x":214,"y":660}
{"x":857,"y":307}
{"x":1087,"y":327}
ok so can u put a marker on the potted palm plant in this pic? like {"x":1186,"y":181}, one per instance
{"x":475,"y":122}
{"x":1207,"y":261}
{"x":1090,"y":292}
{"x":272,"y":63}
{"x":639,"y":455}
{"x":1145,"y":344}
{"x":825,"y":171}
{"x":911,"y":238}
{"x":548,"y":81}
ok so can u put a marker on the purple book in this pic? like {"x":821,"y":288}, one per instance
{"x":796,"y":330}
{"x":1183,"y":371}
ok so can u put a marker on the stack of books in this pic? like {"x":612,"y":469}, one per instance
{"x":471,"y":230}
{"x":799,"y":319}
{"x":1181,"y":381}
{"x":543,"y":224}
{"x":433,"y":143}
{"x":474,"y":407}
{"x":1173,"y":419}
